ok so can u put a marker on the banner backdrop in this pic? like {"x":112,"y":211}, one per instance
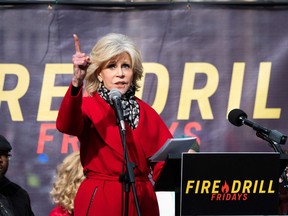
{"x":200,"y":61}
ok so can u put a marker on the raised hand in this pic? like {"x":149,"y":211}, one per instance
{"x":80,"y":63}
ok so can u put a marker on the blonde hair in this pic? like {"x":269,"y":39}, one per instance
{"x":106,"y":48}
{"x":69,"y":175}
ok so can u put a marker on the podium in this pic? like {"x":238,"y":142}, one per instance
{"x":223,"y":183}
{"x":170,"y":178}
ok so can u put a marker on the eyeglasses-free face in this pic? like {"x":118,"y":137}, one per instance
{"x":4,"y":162}
{"x":4,"y":155}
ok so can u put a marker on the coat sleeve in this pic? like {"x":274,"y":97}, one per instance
{"x":155,"y":137}
{"x":70,"y":119}
{"x":163,"y":135}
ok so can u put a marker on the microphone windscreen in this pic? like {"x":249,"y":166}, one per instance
{"x":114,"y":93}
{"x":235,"y":115}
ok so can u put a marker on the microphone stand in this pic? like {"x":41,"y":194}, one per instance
{"x":274,"y":145}
{"x":277,"y":148}
{"x":128,"y":178}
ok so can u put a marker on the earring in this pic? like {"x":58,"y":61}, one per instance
{"x":101,"y":83}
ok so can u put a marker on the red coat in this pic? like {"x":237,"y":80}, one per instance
{"x":59,"y":211}
{"x":93,"y":121}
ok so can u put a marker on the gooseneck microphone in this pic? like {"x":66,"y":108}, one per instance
{"x":238,"y":117}
{"x":115,"y":98}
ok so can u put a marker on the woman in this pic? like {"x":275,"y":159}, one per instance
{"x":69,"y":175}
{"x":114,"y":63}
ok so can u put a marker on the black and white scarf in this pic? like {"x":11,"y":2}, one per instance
{"x":130,"y":106}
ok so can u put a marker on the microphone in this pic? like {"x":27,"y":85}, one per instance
{"x":115,"y":96}
{"x":238,"y":117}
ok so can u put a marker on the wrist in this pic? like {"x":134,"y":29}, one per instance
{"x":77,"y":82}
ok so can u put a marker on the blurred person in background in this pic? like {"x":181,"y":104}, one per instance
{"x":14,"y":200}
{"x":69,"y":175}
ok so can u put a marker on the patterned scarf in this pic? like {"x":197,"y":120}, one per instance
{"x":129,"y":105}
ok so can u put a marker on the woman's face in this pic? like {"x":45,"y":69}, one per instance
{"x":117,"y":73}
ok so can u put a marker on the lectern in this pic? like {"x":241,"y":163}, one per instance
{"x":222,"y":183}
{"x":170,"y":178}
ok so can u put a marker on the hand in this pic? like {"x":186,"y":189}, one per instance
{"x":80,"y":63}
{"x":191,"y":151}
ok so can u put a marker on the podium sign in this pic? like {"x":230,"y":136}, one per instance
{"x":229,"y":183}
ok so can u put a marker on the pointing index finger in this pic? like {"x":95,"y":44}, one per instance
{"x":77,"y":43}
